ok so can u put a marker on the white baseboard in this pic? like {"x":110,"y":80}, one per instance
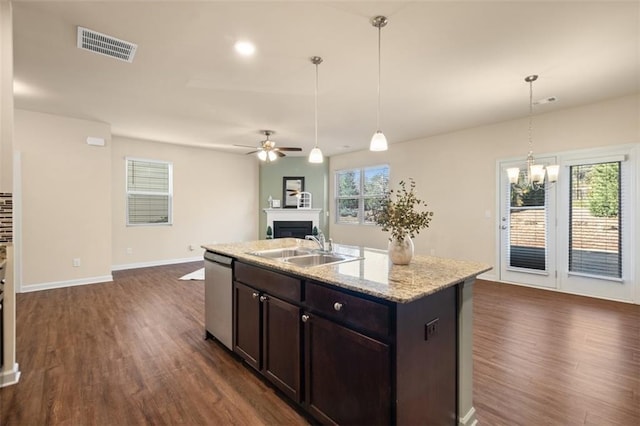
{"x":8,"y":378}
{"x":69,"y":283}
{"x":469,"y":419}
{"x":155,"y":263}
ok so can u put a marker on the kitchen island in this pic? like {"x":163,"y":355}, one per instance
{"x":360,"y":341}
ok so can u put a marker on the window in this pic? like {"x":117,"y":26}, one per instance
{"x":149,"y":192}
{"x":357,"y":193}
{"x":595,"y":220}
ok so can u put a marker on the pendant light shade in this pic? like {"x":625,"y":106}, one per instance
{"x":378,"y":141}
{"x":315,"y":156}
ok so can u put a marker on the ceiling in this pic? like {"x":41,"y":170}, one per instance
{"x":445,"y":66}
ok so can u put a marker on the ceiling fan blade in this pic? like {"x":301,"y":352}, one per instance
{"x":246,"y":146}
{"x":288,"y":148}
{"x":280,"y":154}
{"x":252,"y":152}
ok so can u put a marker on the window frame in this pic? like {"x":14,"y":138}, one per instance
{"x":169,"y":193}
{"x":361,"y":197}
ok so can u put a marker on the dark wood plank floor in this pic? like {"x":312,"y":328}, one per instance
{"x":131,"y":352}
{"x":547,"y":358}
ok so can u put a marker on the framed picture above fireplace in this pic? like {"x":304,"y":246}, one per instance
{"x":292,"y":186}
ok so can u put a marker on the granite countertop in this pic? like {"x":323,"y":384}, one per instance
{"x":373,"y":275}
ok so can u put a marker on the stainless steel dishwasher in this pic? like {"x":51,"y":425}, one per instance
{"x":218,"y":298}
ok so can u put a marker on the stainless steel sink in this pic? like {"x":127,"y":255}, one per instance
{"x":319,"y":259}
{"x":282,"y":252}
{"x":304,"y":257}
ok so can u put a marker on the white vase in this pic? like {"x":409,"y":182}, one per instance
{"x":401,"y":251}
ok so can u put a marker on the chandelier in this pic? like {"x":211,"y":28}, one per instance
{"x":534,"y":174}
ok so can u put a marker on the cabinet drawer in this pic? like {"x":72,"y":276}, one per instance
{"x":358,"y":312}
{"x":271,"y":282}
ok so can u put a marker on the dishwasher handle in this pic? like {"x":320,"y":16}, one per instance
{"x":213,"y":257}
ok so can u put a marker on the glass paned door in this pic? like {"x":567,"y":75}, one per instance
{"x":527,"y":239}
{"x":596,"y":226}
{"x":595,"y":220}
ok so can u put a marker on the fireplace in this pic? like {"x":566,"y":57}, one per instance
{"x":292,"y":228}
{"x":308,"y":217}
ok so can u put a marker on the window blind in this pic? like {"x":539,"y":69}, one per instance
{"x":527,"y":243}
{"x":149,"y":192}
{"x":595,"y":219}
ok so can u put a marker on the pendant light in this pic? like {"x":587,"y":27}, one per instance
{"x":315,"y":156}
{"x":378,"y":141}
{"x":534,"y":174}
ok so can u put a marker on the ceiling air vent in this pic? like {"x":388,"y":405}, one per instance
{"x":103,"y":44}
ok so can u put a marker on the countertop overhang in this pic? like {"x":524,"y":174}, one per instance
{"x":374,"y":275}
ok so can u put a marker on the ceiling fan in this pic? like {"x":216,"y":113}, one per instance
{"x":267,"y":151}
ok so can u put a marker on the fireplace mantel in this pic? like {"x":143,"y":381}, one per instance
{"x":293,"y":214}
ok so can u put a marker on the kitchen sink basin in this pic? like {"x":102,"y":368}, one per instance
{"x":319,"y":259}
{"x":282,"y":252}
{"x":304,"y":257}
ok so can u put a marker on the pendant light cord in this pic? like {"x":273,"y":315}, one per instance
{"x":530,"y":115}
{"x":316,"y":104}
{"x":379,"y":68}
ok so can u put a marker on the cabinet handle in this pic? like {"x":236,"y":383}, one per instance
{"x":263,"y":298}
{"x":305,"y":318}
{"x":255,"y":295}
{"x":337,"y":306}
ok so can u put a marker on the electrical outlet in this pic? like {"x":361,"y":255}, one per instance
{"x":431,"y":329}
{"x":129,"y":250}
{"x":76,"y":262}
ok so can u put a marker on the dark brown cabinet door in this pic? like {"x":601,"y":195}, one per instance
{"x":281,"y":345}
{"x":348,"y":375}
{"x":246,"y":342}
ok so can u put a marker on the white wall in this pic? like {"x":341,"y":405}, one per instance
{"x":74,"y":202}
{"x":215,"y":200}
{"x":6,"y":100}
{"x":66,"y":200}
{"x":456,"y":172}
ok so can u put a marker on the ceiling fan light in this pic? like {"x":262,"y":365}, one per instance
{"x":378,"y":142}
{"x":272,"y":156}
{"x":315,"y":156}
{"x":262,"y":155}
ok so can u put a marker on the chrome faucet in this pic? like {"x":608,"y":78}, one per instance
{"x":322,"y":243}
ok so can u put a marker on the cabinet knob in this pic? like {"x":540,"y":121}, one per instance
{"x":254,"y":295}
{"x":305,"y":318}
{"x":337,"y":306}
{"x":263,"y":298}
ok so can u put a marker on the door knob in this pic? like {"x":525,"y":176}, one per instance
{"x":337,"y":306}
{"x":305,"y":318}
{"x":263,"y":298}
{"x":254,"y":295}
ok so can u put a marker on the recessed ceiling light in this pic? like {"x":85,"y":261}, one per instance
{"x":245,"y":48}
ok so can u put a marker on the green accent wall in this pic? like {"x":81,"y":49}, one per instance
{"x":316,"y":181}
